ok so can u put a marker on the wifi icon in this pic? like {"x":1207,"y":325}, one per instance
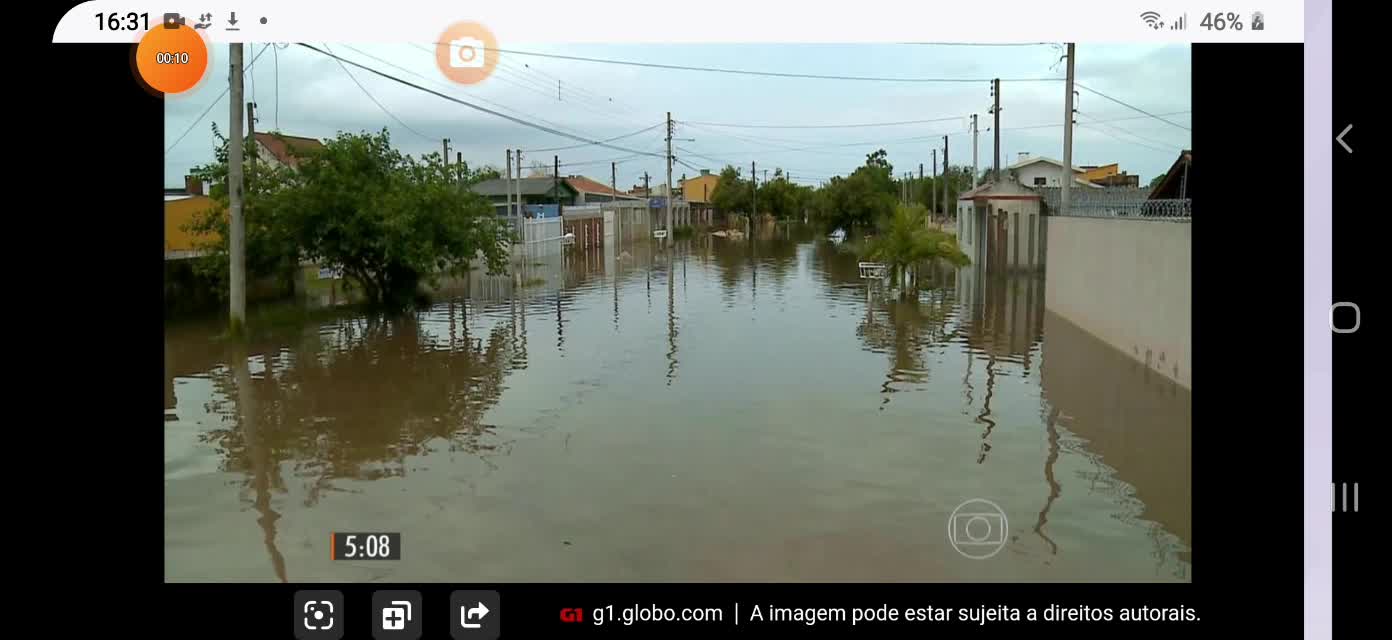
{"x":1152,"y":19}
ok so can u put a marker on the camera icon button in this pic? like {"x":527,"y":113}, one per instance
{"x":319,"y":615}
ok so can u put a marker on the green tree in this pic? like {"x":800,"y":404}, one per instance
{"x":904,"y":242}
{"x":270,"y":249}
{"x":732,"y":192}
{"x":1155,"y":182}
{"x":390,"y":221}
{"x":859,"y":199}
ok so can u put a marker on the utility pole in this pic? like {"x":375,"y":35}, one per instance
{"x":667,"y":222}
{"x":517,"y":184}
{"x":444,"y":158}
{"x":754,"y":177}
{"x":556,"y":183}
{"x":508,"y":184}
{"x":947,"y":203}
{"x":934,"y":189}
{"x":251,"y":135}
{"x":647,"y":193}
{"x":614,"y":199}
{"x":995,"y":128}
{"x":1067,"y":137}
{"x":920,"y":180}
{"x":459,"y":160}
{"x":237,"y":261}
{"x":975,"y":172}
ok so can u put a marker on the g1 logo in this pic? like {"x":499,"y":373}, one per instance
{"x":572,"y":615}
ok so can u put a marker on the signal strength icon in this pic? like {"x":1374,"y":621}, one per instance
{"x":1152,"y":19}
{"x":1178,"y":24}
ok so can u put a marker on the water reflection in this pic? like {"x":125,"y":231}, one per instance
{"x":730,"y":440}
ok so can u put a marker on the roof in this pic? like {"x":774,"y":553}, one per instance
{"x":526,"y":186}
{"x":286,"y":148}
{"x":1175,"y":182}
{"x":1005,"y":189}
{"x":1031,"y":160}
{"x":586,"y":185}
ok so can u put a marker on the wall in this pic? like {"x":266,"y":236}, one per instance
{"x":699,"y":188}
{"x":1050,"y":172}
{"x":1126,"y":282}
{"x":178,"y":213}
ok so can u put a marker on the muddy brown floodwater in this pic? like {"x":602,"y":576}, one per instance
{"x":715,"y":411}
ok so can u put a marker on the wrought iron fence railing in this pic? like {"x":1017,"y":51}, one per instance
{"x":1117,"y":203}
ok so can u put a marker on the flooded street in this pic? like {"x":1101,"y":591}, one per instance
{"x":716,"y":411}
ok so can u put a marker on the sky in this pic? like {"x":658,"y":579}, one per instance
{"x":302,"y":92}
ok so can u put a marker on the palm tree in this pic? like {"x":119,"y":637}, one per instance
{"x":904,"y":242}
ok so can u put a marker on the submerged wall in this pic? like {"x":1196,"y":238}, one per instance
{"x":1127,"y":282}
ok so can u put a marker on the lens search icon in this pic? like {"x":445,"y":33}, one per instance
{"x":978,"y":529}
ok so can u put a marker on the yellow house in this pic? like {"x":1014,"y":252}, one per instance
{"x":1093,"y":174}
{"x":179,"y":210}
{"x":698,"y":190}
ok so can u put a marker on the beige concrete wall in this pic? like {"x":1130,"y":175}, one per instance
{"x":1126,"y":282}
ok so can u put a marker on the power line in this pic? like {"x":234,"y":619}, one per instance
{"x":583,"y":91}
{"x":378,"y":103}
{"x":508,"y":74}
{"x":1113,"y":136}
{"x":774,"y":74}
{"x":450,"y":98}
{"x":1129,"y":132}
{"x":576,"y":146}
{"x":1131,"y":106}
{"x":215,"y":102}
{"x":819,"y":126}
{"x":437,"y":83}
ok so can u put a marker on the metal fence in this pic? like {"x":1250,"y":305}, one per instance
{"x":1120,"y":202}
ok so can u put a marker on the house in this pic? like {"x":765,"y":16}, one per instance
{"x":279,"y":149}
{"x":181,"y":205}
{"x":1001,"y":226}
{"x":1175,"y":184}
{"x":535,"y":191}
{"x":591,"y":191}
{"x":698,"y":191}
{"x":1109,"y":175}
{"x":1039,"y":171}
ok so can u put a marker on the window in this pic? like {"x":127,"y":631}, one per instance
{"x":1039,"y":182}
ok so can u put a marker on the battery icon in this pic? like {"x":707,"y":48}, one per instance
{"x":1258,"y":21}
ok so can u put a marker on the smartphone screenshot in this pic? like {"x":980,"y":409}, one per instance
{"x":633,"y":319}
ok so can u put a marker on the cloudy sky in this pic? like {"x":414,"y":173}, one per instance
{"x":302,"y":92}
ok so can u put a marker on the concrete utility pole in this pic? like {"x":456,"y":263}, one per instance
{"x":975,"y":171}
{"x":947,"y":203}
{"x":647,"y":193}
{"x":444,"y":158}
{"x":1067,"y":137}
{"x":556,"y":182}
{"x":517,"y":184}
{"x":933,"y":191}
{"x":920,"y":179}
{"x":507,"y":185}
{"x":667,"y":222}
{"x":237,"y":261}
{"x":251,"y":135}
{"x":995,"y":128}
{"x":459,"y":160}
{"x":614,"y":200}
{"x":754,"y":177}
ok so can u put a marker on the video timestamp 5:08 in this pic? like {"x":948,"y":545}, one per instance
{"x":365,"y":546}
